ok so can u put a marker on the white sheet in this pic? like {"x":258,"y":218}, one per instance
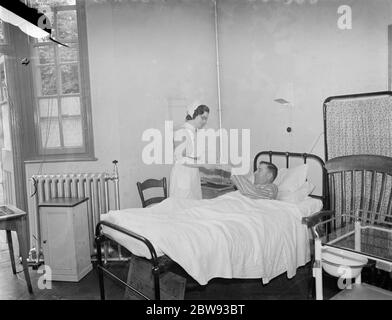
{"x":309,"y":206}
{"x":228,"y":237}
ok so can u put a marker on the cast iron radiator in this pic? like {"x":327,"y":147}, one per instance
{"x":102,"y":189}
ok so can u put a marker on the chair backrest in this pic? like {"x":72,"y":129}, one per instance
{"x":361,"y":185}
{"x":148,"y":184}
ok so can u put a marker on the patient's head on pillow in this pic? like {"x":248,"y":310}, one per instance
{"x":266,"y":173}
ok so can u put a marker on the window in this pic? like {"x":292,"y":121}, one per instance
{"x":62,"y":111}
{"x":2,"y":35}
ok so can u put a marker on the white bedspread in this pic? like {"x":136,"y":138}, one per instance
{"x":228,"y":237}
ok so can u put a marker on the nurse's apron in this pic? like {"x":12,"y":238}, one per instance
{"x":185,"y":181}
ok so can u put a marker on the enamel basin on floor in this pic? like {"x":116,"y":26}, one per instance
{"x":343,"y":264}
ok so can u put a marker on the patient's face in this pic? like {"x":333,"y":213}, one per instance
{"x":262,"y":174}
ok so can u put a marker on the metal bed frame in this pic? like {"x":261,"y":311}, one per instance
{"x":160,"y":265}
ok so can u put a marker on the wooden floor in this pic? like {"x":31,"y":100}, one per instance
{"x":13,"y":287}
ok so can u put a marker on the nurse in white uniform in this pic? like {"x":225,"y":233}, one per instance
{"x":185,"y":176}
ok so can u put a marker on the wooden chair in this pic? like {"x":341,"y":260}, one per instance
{"x":148,"y":184}
{"x":359,"y":186}
{"x":13,"y":219}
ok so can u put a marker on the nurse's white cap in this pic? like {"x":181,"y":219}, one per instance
{"x":192,"y":107}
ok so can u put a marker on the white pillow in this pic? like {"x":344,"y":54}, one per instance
{"x":298,"y":195}
{"x":290,"y":180}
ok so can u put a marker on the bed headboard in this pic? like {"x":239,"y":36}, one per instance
{"x":306,"y":157}
{"x":358,"y":124}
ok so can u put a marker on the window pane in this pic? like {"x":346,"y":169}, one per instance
{"x":2,"y":36}
{"x":50,"y":133}
{"x":68,"y":54}
{"x":67,"y":28}
{"x":5,"y":115}
{"x":72,"y":132}
{"x":70,"y":78}
{"x":48,"y":78}
{"x":48,"y":107}
{"x":70,"y":106}
{"x":3,"y":84}
{"x":46,"y":54}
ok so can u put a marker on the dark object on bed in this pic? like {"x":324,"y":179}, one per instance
{"x":217,"y":179}
{"x":358,"y":124}
{"x":160,"y":265}
{"x":217,"y":184}
{"x":148,"y":184}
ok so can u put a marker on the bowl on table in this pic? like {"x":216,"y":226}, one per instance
{"x":342,"y":264}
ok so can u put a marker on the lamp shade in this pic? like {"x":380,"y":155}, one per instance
{"x":285,"y":94}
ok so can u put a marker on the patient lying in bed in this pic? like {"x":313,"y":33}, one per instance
{"x":242,"y":234}
{"x":263,"y":186}
{"x":232,"y":236}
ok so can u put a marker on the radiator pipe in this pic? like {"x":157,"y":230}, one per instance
{"x":117,"y":193}
{"x":116,"y":185}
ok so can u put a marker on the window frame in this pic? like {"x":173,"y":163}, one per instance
{"x":35,"y":151}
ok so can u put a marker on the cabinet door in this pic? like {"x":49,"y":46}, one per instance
{"x":59,"y":248}
{"x":82,"y":240}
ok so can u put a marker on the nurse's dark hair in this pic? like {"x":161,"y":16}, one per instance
{"x":198,"y":111}
{"x":272,"y":168}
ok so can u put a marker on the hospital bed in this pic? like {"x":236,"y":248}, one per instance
{"x":177,"y":232}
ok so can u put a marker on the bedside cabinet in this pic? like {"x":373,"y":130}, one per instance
{"x":65,"y":238}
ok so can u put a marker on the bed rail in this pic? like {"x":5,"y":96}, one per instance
{"x":100,"y":237}
{"x":305,"y":157}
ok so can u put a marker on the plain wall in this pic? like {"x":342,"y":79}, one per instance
{"x":297,"y":52}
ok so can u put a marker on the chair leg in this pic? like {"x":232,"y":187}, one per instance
{"x":23,"y":248}
{"x":11,"y":250}
{"x":311,"y":283}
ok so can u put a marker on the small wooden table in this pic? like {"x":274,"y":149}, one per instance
{"x":14,"y":219}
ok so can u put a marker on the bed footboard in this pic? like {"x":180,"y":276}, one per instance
{"x":100,"y":238}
